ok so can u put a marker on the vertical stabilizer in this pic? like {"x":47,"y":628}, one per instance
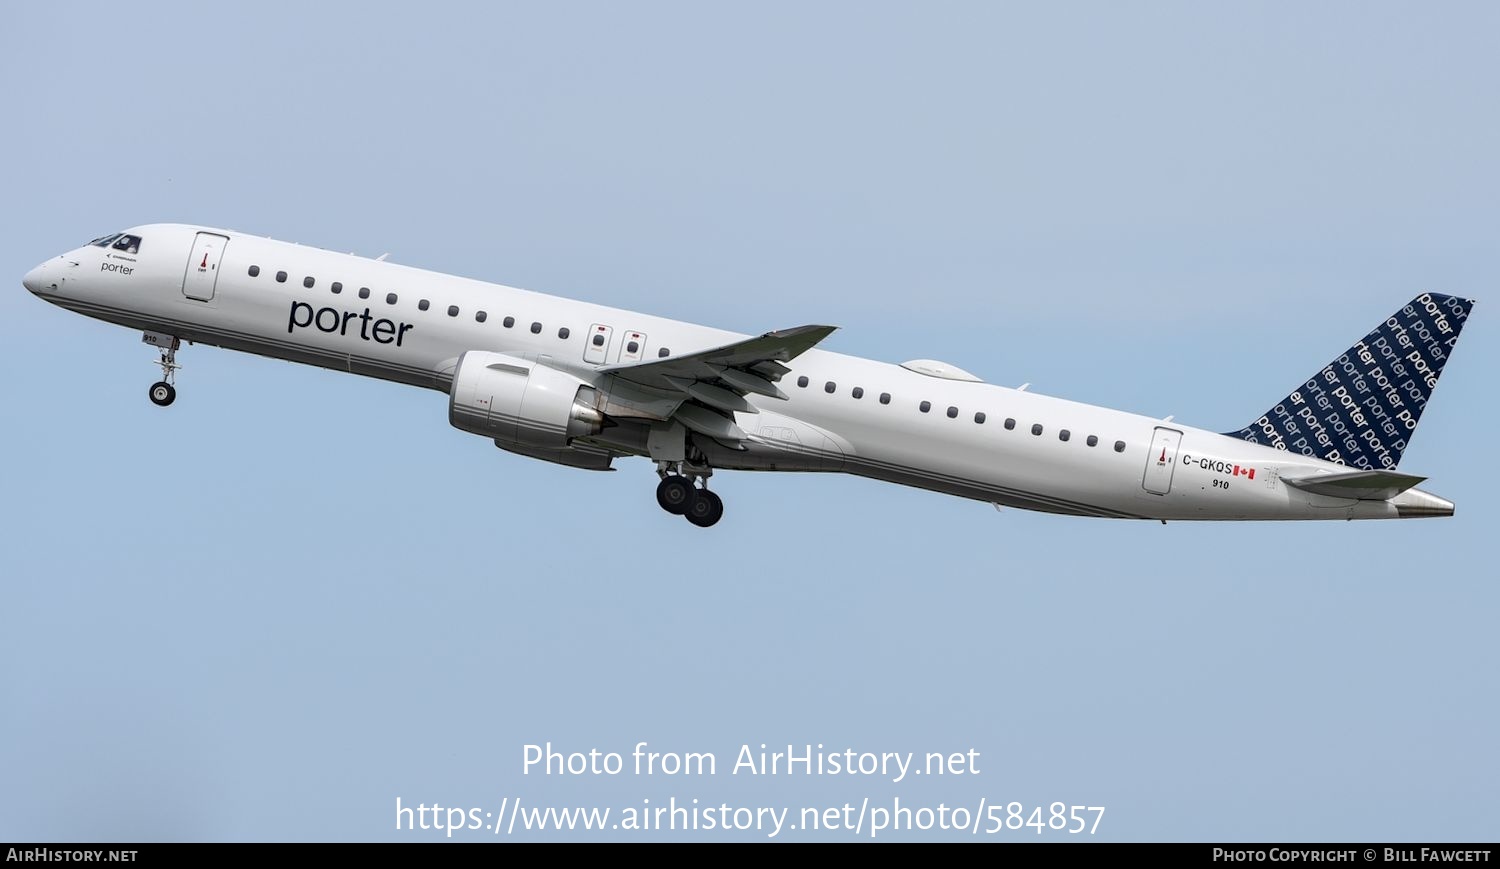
{"x":1362,"y":408}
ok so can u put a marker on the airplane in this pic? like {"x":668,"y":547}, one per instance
{"x":582,"y":385}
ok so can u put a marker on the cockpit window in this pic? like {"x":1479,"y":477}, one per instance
{"x":119,"y":241}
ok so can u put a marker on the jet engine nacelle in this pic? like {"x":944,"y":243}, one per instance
{"x":525,"y":405}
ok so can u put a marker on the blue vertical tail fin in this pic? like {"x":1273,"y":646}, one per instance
{"x":1362,"y":408}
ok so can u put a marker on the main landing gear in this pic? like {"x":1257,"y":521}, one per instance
{"x":163,"y":392}
{"x":683,"y":491}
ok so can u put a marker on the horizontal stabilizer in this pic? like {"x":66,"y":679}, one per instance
{"x":1364,"y":485}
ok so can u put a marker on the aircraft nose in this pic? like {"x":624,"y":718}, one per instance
{"x":33,"y":279}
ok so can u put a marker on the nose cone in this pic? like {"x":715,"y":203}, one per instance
{"x":33,"y":279}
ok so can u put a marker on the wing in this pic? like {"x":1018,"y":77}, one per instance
{"x":714,"y":382}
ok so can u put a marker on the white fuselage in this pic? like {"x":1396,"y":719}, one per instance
{"x":1110,"y":464}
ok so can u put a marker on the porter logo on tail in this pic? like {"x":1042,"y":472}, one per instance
{"x":1361,"y":409}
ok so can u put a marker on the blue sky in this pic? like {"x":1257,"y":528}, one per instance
{"x":295,"y":596}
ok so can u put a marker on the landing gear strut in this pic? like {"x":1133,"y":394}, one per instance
{"x":163,"y":392}
{"x":683,"y":491}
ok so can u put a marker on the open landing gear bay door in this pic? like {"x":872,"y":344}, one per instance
{"x":713,"y":383}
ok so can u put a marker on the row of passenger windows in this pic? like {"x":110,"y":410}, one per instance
{"x":979,"y":416}
{"x":633,"y":347}
{"x":479,"y":316}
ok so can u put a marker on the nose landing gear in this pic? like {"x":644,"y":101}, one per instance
{"x":163,"y":392}
{"x":683,"y":491}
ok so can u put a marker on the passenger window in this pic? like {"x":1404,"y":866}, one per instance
{"x":390,"y":298}
{"x":1010,"y":424}
{"x":508,"y":322}
{"x":857,"y":392}
{"x":598,"y":340}
{"x":336,"y":288}
{"x":885,"y":398}
{"x":364,"y":292}
{"x":1119,"y":446}
{"x":925,"y":406}
{"x":480,"y":316}
{"x":979,"y":417}
{"x":952,"y":413}
{"x":802,"y":382}
{"x":308,"y":282}
{"x":128,"y":244}
{"x":1036,"y":429}
{"x":423,"y":305}
{"x":255,"y":271}
{"x":1064,"y":435}
{"x":536,"y":328}
{"x":1093,"y":441}
{"x":563,"y":333}
{"x":453,"y":310}
{"x":663,"y":353}
{"x":830,"y":387}
{"x":281,"y":277}
{"x":633,"y":347}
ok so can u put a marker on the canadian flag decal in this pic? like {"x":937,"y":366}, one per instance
{"x":1249,"y":472}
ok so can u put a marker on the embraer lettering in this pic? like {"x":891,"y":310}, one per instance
{"x":332,"y":320}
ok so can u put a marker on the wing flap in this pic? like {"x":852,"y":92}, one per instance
{"x":751,"y":383}
{"x":770,"y":370}
{"x":719,"y":397}
{"x":706,"y":422}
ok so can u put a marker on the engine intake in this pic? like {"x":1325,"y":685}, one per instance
{"x":521,"y":402}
